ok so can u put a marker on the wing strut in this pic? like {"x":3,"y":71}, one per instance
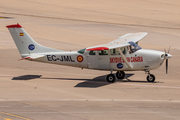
{"x":129,"y":66}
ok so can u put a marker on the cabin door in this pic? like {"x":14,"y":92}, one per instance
{"x":92,"y":58}
{"x":104,"y":60}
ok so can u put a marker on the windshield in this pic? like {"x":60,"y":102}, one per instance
{"x":133,"y":47}
{"x":81,"y":51}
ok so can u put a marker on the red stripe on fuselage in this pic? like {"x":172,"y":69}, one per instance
{"x":98,"y":49}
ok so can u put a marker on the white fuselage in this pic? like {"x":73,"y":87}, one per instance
{"x":140,"y":60}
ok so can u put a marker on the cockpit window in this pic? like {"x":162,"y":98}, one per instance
{"x":114,"y":51}
{"x":133,"y":47}
{"x":82,"y":51}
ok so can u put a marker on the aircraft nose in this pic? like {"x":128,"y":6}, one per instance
{"x":167,"y":56}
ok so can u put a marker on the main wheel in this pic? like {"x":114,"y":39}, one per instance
{"x":151,"y":78}
{"x":120,"y":74}
{"x":110,"y":78}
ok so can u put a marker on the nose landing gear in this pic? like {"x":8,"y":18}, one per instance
{"x":150,"y":77}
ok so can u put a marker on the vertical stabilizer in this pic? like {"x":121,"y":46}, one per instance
{"x":24,"y":42}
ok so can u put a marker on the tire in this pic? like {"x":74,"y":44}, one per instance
{"x":151,"y":78}
{"x":120,"y":74}
{"x":110,"y":78}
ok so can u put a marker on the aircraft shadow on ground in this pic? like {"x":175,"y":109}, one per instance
{"x":26,"y":77}
{"x":90,"y":83}
{"x":101,"y":81}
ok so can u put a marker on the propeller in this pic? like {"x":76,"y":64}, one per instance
{"x":166,"y":59}
{"x":166,"y":66}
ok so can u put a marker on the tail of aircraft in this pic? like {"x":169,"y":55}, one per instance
{"x":25,"y":44}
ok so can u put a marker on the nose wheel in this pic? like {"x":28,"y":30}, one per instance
{"x":150,"y":77}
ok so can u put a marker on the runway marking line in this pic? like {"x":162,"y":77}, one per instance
{"x":7,"y":119}
{"x":14,"y":116}
{"x":97,"y":100}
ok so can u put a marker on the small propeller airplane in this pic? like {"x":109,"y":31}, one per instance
{"x":122,"y":54}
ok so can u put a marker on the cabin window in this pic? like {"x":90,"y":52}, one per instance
{"x":114,"y":51}
{"x":103,"y":52}
{"x":82,"y":51}
{"x":123,"y":50}
{"x":92,"y":52}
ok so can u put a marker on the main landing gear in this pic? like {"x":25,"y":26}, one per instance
{"x":150,"y":77}
{"x":120,"y":74}
{"x":111,"y":77}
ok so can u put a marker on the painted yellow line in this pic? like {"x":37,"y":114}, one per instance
{"x":15,"y":116}
{"x":7,"y":119}
{"x":2,"y":17}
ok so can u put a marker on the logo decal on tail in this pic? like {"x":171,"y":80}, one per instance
{"x":31,"y":47}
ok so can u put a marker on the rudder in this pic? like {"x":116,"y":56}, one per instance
{"x":25,"y":44}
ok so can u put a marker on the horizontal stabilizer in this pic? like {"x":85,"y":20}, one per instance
{"x":32,"y":57}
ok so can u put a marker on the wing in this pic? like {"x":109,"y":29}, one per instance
{"x":134,"y":37}
{"x":120,"y":42}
